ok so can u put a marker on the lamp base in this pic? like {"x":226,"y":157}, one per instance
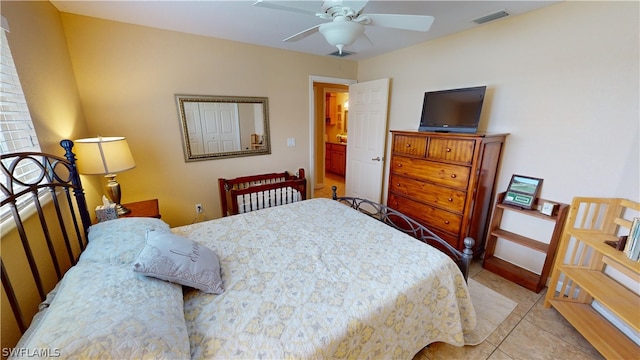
{"x":113,"y":190}
{"x":121,"y":210}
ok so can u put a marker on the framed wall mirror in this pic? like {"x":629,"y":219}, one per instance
{"x":215,"y":127}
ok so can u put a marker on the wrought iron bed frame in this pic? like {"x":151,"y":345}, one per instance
{"x":60,"y":177}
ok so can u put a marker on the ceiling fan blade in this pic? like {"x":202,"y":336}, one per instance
{"x":303,"y":7}
{"x":357,"y":6}
{"x":361,"y":43}
{"x":303,"y":34}
{"x":397,"y":21}
{"x":363,"y":39}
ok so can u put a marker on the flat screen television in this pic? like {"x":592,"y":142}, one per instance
{"x":455,"y":110}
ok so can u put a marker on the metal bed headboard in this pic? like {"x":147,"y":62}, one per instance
{"x":54,"y":187}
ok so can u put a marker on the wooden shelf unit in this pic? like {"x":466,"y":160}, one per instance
{"x":519,"y":275}
{"x":578,"y":275}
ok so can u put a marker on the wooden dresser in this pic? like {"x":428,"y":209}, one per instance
{"x":446,"y":181}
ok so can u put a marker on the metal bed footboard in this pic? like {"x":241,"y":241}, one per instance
{"x":411,"y":227}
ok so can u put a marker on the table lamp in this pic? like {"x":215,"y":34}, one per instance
{"x":105,"y":156}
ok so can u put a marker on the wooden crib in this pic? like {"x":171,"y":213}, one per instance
{"x":250,"y":193}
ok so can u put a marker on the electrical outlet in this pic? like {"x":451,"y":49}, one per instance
{"x":199,"y":209}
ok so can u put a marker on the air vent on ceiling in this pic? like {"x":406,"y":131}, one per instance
{"x":344,"y":53}
{"x":490,"y":17}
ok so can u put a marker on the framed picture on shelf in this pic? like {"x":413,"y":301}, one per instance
{"x":523,"y":191}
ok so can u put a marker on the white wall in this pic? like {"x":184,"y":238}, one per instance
{"x":563,"y":81}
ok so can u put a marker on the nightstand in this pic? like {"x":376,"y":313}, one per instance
{"x":146,"y":208}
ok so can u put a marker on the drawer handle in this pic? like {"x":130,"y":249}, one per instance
{"x":399,"y":165}
{"x":446,"y":222}
{"x":450,"y":199}
{"x":453,"y":176}
{"x":398,"y":184}
{"x":408,"y":145}
{"x":448,"y":149}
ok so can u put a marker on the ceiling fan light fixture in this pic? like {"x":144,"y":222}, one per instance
{"x":341,"y":33}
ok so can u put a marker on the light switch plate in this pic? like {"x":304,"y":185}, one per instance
{"x":291,"y":141}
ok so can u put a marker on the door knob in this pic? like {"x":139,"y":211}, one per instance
{"x":376,"y":158}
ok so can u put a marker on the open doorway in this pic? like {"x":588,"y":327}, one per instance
{"x":331,"y":155}
{"x":367,"y":122}
{"x":328,"y":134}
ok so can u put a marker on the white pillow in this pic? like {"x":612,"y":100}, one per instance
{"x":120,"y":241}
{"x":176,"y":259}
{"x":104,"y":311}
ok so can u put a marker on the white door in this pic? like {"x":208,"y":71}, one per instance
{"x":194,"y":126}
{"x":220,"y":128}
{"x":367,"y":129}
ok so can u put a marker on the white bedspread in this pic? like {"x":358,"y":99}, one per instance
{"x":109,"y":312}
{"x":317,"y":279}
{"x":101,"y":309}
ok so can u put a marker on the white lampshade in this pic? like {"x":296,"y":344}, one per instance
{"x":341,"y":33}
{"x":103,"y":155}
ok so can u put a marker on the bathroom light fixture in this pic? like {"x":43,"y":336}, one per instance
{"x":105,"y":156}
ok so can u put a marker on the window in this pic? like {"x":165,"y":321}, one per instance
{"x":17,"y":132}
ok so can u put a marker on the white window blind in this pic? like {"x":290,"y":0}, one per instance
{"x":17,"y":133}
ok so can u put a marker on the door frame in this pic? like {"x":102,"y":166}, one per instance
{"x":311,"y":180}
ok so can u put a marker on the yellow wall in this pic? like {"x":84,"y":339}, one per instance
{"x":128,"y":76}
{"x":39,"y":48}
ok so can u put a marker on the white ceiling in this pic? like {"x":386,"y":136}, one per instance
{"x":241,"y":21}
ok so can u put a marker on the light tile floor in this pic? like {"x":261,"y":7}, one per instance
{"x":329,"y":181}
{"x":530,"y":332}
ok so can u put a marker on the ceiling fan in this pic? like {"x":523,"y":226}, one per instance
{"x":348,"y":21}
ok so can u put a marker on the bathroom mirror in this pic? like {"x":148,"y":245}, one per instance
{"x":215,"y":127}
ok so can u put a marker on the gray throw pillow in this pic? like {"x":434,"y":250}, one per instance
{"x":179,"y":260}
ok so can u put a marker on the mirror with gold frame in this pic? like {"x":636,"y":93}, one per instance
{"x":215,"y":127}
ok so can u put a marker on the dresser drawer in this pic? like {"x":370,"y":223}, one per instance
{"x":454,"y":176}
{"x":451,"y":150}
{"x":433,"y":218}
{"x":410,"y":145}
{"x":449,"y":199}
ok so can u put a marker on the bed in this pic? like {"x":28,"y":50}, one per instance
{"x":255,"y":192}
{"x":308,"y":279}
